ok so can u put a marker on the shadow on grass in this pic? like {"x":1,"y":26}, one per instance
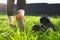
{"x":32,"y":14}
{"x":3,"y":13}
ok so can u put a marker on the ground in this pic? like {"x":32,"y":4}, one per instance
{"x":12,"y":33}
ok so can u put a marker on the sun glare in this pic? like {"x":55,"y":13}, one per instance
{"x":3,"y":1}
{"x":34,"y":1}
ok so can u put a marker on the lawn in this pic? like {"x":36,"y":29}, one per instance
{"x":12,"y":33}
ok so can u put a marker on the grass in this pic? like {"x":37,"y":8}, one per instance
{"x":12,"y":33}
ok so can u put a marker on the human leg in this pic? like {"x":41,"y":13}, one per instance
{"x":10,"y":6}
{"x":21,"y":10}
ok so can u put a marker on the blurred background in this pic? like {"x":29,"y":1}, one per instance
{"x":45,"y":7}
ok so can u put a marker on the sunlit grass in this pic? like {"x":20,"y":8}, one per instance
{"x":12,"y":33}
